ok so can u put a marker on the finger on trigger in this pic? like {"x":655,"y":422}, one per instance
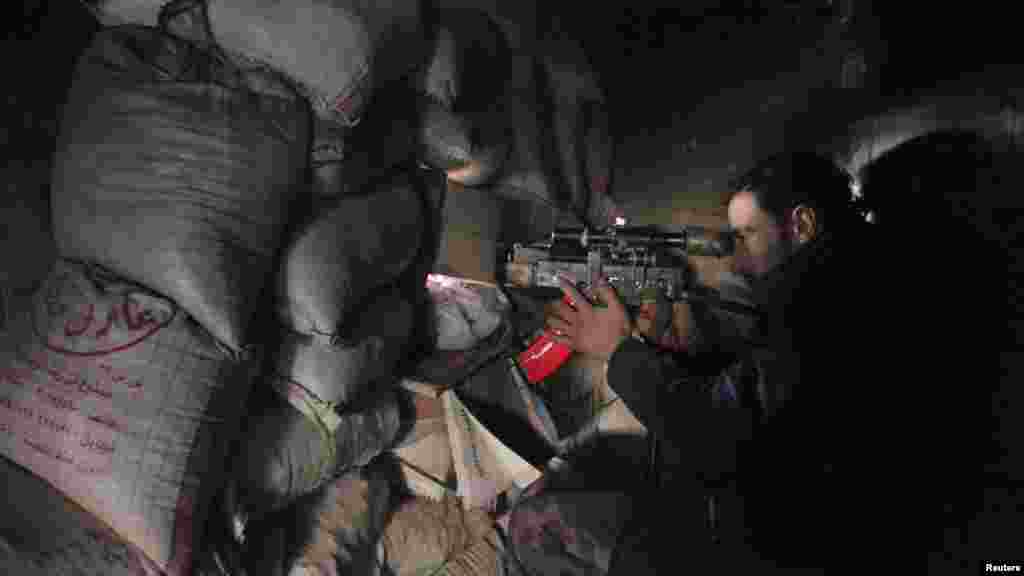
{"x":562,"y":339}
{"x":558,"y":325}
{"x":565,"y":312}
{"x":571,"y":292}
{"x":608,"y":294}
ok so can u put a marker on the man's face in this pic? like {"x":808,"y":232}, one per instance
{"x":761,"y":242}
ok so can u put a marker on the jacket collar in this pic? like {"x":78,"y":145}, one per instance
{"x":795,"y":278}
{"x":816,"y":281}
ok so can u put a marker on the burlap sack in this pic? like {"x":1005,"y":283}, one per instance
{"x":120,"y":401}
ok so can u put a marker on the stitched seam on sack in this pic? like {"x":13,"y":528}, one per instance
{"x":320,"y":413}
{"x":307,"y":402}
{"x":327,"y":442}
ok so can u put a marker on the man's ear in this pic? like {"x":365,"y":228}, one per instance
{"x":805,"y":224}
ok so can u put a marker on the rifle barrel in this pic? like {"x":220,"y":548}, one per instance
{"x":693,"y":240}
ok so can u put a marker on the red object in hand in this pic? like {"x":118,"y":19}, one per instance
{"x":544,"y":355}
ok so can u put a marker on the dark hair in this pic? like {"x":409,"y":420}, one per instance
{"x":783,"y":182}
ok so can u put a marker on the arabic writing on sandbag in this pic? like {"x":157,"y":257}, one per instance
{"x":103,"y":395}
{"x":66,"y":440}
{"x":72,"y":377}
{"x":62,"y":408}
{"x":72,"y":320}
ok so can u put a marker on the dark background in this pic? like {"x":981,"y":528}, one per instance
{"x":699,"y":91}
{"x":696,"y":91}
{"x":673,"y":57}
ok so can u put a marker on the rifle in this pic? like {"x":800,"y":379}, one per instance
{"x":635,"y":260}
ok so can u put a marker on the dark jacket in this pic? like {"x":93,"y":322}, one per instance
{"x":807,"y":471}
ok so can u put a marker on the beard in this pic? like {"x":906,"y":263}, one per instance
{"x":771,"y":276}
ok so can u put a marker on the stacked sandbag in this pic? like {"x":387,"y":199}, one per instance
{"x":362,"y":524}
{"x":355,"y":245}
{"x":345,"y":313}
{"x":466,"y":313}
{"x":119,"y":12}
{"x":440,"y":537}
{"x":334,"y":530}
{"x":297,"y":444}
{"x":527,"y":173}
{"x":176,"y":182}
{"x":346,"y":321}
{"x":582,"y":132}
{"x":117,"y":398}
{"x":346,"y":57}
{"x":551,"y":84}
{"x":125,"y":373}
{"x":42,"y":533}
{"x":337,"y":50}
{"x":348,"y":161}
{"x":464,"y":129}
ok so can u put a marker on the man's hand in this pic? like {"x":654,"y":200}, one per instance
{"x":589,"y":330}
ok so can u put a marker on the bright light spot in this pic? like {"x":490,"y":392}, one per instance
{"x":855,"y":189}
{"x":442,"y":281}
{"x":620,"y":221}
{"x":239,"y":526}
{"x":870,"y":217}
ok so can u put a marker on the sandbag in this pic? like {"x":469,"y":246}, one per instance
{"x":336,"y":407}
{"x":291,"y":452}
{"x":173,"y":181}
{"x":466,"y":312}
{"x":116,"y":398}
{"x":566,"y":62}
{"x":360,"y":242}
{"x":336,"y":50}
{"x":427,"y":537}
{"x":441,"y":80}
{"x":333,"y":531}
{"x":582,"y":132}
{"x":598,"y":160}
{"x":465,"y":131}
{"x":358,"y":525}
{"x":328,"y":157}
{"x":466,"y":153}
{"x":383,"y":144}
{"x":525,"y":174}
{"x":42,"y":533}
{"x":567,"y":163}
{"x":369,"y":348}
{"x":118,"y":12}
{"x":353,"y":377}
{"x":349,"y":160}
